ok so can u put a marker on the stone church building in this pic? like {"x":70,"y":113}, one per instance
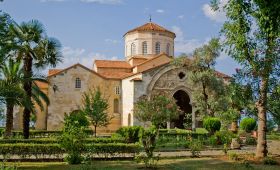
{"x":145,"y":70}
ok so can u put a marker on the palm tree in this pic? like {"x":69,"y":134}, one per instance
{"x":12,"y":93}
{"x":34,"y":48}
{"x":5,"y":46}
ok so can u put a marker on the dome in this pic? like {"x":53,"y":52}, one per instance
{"x":149,"y":40}
{"x":150,"y":26}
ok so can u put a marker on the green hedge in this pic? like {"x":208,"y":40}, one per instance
{"x":54,"y":141}
{"x":182,"y":133}
{"x":113,"y":149}
{"x":28,"y":150}
{"x":24,"y":150}
{"x":44,"y":133}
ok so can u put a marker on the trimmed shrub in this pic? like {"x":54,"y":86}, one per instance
{"x":248,"y":124}
{"x":130,"y":134}
{"x":212,"y":124}
{"x":224,"y":137}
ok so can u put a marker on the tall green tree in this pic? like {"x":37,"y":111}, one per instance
{"x":252,"y":39}
{"x":95,"y":106}
{"x":208,"y":87}
{"x":11,"y":91}
{"x":13,"y":94}
{"x":35,"y":49}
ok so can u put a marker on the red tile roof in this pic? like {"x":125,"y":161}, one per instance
{"x":150,"y":59}
{"x":115,"y":75}
{"x":41,"y":85}
{"x":58,"y":71}
{"x":112,"y":64}
{"x":136,"y":79}
{"x":222,"y":75}
{"x":150,"y":26}
{"x":53,"y":71}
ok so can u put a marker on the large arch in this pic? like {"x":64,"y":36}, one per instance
{"x":183,"y":102}
{"x":172,"y":81}
{"x":177,"y":84}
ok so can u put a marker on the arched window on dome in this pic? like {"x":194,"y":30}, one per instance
{"x":133,"y":49}
{"x":157,"y":47}
{"x":144,"y":47}
{"x":168,"y":49}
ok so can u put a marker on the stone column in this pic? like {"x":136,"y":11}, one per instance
{"x":193,"y":117}
{"x":168,"y":125}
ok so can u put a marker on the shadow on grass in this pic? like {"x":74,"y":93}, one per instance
{"x":165,"y":164}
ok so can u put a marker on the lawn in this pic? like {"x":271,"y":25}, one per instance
{"x":166,"y":164}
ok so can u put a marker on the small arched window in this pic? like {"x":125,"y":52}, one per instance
{"x":78,"y":83}
{"x":157,"y":47}
{"x":168,"y":49}
{"x":116,"y":106}
{"x":144,"y":47}
{"x":133,"y":49}
{"x":129,"y":120}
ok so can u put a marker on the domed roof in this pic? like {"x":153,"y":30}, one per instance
{"x":150,"y":26}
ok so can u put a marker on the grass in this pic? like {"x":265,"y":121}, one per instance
{"x":166,"y":164}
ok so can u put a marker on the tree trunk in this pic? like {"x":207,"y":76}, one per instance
{"x":234,"y":126}
{"x":9,"y":120}
{"x":28,"y":89}
{"x":94,"y":131}
{"x":261,"y":106}
{"x":206,"y":99}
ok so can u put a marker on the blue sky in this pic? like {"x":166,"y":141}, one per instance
{"x":94,"y":29}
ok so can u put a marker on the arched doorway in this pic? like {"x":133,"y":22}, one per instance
{"x":183,"y":102}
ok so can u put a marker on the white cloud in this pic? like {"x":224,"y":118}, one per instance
{"x":108,"y":2}
{"x":160,"y":11}
{"x":111,"y":41}
{"x":183,"y":45}
{"x":217,"y":16}
{"x":181,"y":16}
{"x":79,"y":55}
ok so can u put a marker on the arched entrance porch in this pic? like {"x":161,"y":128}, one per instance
{"x":183,"y":102}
